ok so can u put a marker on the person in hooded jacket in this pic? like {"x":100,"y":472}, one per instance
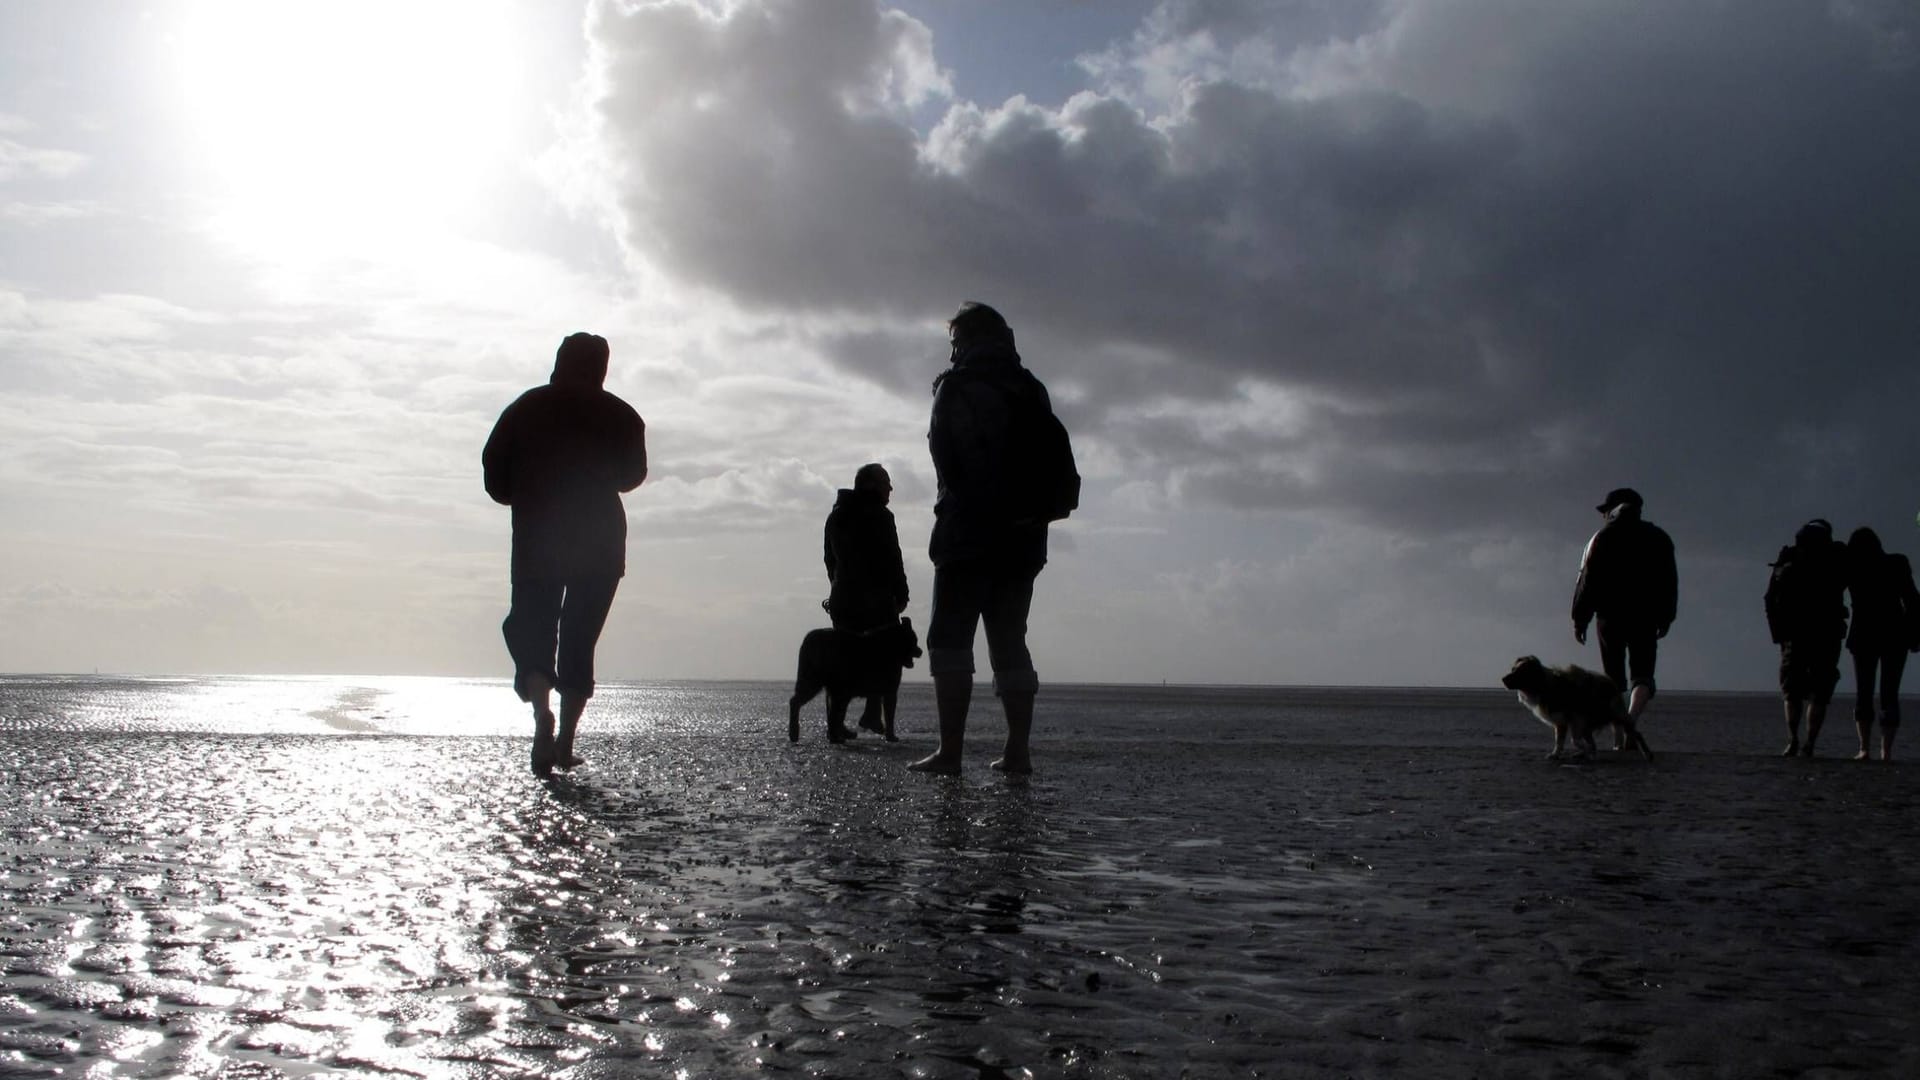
{"x":1628,"y":584}
{"x":985,"y":554}
{"x":862,"y":549}
{"x":1886,"y":613}
{"x":1807,"y":618}
{"x":561,"y":456}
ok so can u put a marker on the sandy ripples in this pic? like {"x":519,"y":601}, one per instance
{"x":269,"y":905}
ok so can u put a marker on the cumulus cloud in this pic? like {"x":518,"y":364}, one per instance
{"x":1491,"y":256}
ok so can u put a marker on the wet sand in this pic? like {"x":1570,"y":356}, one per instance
{"x":714,"y":903}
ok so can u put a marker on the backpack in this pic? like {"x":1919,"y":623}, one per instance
{"x":1803,"y":594}
{"x":1041,"y":481}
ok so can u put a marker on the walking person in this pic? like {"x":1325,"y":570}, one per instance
{"x":1005,"y":471}
{"x":1886,"y":615}
{"x":1807,"y":618}
{"x":561,"y":456}
{"x":1630,"y":586}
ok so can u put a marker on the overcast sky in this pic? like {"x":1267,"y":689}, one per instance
{"x":1354,"y":309}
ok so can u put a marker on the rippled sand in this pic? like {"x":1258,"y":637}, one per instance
{"x":717,"y":904}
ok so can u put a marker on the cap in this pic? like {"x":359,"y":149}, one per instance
{"x":1619,"y":497}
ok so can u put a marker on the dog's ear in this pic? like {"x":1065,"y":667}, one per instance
{"x":1526,"y":661}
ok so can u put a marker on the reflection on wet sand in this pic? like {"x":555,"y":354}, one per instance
{"x":717,"y":902}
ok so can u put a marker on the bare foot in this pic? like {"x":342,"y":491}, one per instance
{"x":1862,"y":755}
{"x":1792,"y":750}
{"x":938,"y":764}
{"x":1013,"y":765}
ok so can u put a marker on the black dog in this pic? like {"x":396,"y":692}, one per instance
{"x":848,"y":666}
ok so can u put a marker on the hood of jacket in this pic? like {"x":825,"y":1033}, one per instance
{"x":579,"y":369}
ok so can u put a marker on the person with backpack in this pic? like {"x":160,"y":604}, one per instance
{"x":1005,"y":471}
{"x":1807,"y":618}
{"x":1886,"y":626}
{"x":1628,"y":583}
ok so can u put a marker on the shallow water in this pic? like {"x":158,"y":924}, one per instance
{"x":283,"y":877}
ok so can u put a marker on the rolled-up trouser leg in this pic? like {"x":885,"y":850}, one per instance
{"x":1005,"y":618}
{"x":531,"y":628}
{"x":956,"y":612}
{"x":583,"y":614}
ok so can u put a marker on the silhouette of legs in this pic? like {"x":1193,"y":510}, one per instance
{"x":551,"y":630}
{"x":1015,"y":760}
{"x":996,"y":594}
{"x":1892,"y":665}
{"x":1816,"y":714}
{"x":1865,"y":666}
{"x":540,"y":692}
{"x":571,"y":708}
{"x":952,"y":696}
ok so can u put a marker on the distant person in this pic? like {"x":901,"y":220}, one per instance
{"x":1807,"y":617}
{"x":862,"y":548}
{"x":560,"y":456}
{"x":1886,"y":616}
{"x":1005,"y":471}
{"x":867,"y":574}
{"x":1629,"y":585}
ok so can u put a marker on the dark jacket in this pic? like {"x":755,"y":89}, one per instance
{"x":560,"y":455}
{"x":969,"y":437}
{"x":1886,"y":607}
{"x":862,"y":550}
{"x":1805,"y":597}
{"x":1627,"y":576}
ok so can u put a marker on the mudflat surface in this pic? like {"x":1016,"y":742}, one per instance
{"x":706,"y":900}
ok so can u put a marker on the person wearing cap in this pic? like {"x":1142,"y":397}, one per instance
{"x":1629,"y":587}
{"x":561,"y":456}
{"x":985,"y":560}
{"x":1807,"y":617}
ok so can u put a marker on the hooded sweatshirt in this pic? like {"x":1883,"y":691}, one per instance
{"x":560,"y":456}
{"x":969,"y":438}
{"x":862,"y":549}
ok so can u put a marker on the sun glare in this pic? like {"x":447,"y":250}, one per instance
{"x":336,"y":126}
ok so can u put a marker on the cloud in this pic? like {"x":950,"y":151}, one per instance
{"x":18,"y":160}
{"x":1497,"y":257}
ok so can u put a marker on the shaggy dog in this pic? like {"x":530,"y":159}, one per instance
{"x":1574,"y":701}
{"x":848,"y":666}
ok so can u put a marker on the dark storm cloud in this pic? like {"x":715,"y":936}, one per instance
{"x":1501,"y":255}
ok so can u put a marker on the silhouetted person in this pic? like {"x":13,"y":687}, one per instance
{"x":1807,"y":617}
{"x":560,"y":456}
{"x":990,"y":418}
{"x":1886,"y":613}
{"x":868,"y":576}
{"x":862,"y":550}
{"x":1629,"y":585}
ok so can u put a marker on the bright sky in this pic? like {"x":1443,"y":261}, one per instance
{"x":1355,"y":310}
